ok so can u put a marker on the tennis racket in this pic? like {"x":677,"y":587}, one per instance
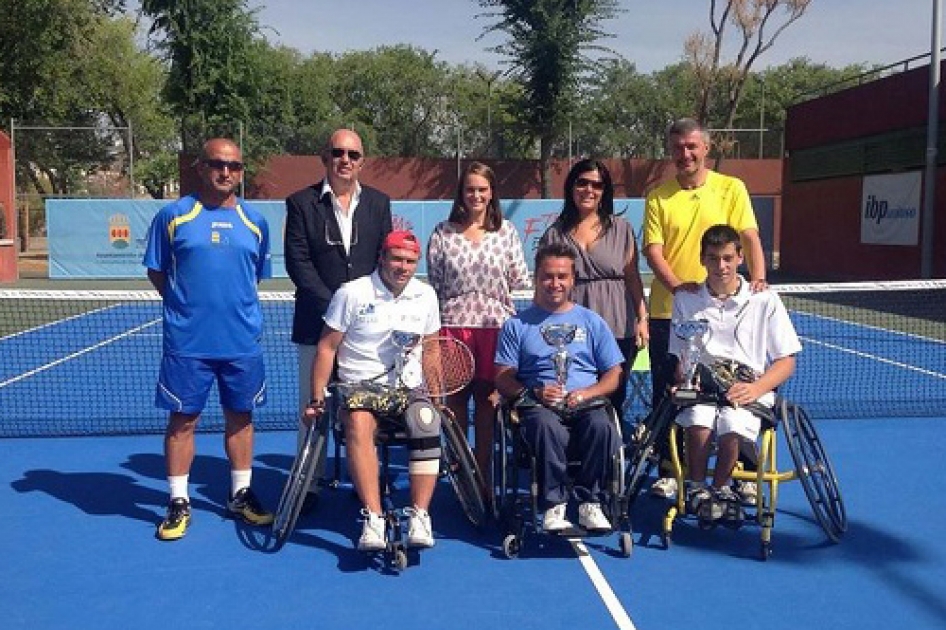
{"x":447,"y":365}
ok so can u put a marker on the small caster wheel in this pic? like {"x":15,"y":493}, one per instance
{"x":400,"y":559}
{"x":626,"y":543}
{"x":511,"y":546}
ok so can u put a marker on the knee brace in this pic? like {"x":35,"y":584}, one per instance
{"x":422,"y":421}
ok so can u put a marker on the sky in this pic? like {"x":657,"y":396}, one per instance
{"x":650,"y":33}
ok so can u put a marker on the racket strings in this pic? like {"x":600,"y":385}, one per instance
{"x":447,"y":366}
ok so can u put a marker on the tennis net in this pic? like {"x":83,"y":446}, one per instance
{"x":86,"y":362}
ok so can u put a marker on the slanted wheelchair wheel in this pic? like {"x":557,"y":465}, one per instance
{"x":462,"y":470}
{"x":642,"y":452}
{"x":815,"y":471}
{"x":311,"y":452}
{"x":502,"y":461}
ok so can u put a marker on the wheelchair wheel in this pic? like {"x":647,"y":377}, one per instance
{"x":814,"y":470}
{"x":307,"y":461}
{"x":462,"y":470}
{"x":642,"y":452}
{"x":502,"y":463}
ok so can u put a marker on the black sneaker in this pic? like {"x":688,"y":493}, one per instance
{"x":245,"y":505}
{"x":175,"y":523}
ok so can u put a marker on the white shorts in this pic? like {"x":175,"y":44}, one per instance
{"x":722,"y":420}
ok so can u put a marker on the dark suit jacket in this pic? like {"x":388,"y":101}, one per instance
{"x":316,"y":266}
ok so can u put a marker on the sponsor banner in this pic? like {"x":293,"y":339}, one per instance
{"x":106,"y":238}
{"x":890,"y":209}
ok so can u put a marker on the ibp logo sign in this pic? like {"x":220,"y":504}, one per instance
{"x":890,"y":209}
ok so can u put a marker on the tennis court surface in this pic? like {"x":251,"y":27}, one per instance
{"x":84,"y":488}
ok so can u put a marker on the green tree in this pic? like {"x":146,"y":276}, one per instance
{"x":546,"y":49}
{"x":208,"y":44}
{"x":625,"y":112}
{"x":43,"y":82}
{"x":770,"y":93}
{"x":124,"y":83}
{"x":398,"y":92}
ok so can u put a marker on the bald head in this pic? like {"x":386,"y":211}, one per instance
{"x":215,"y":145}
{"x":343,"y":157}
{"x":221,"y":171}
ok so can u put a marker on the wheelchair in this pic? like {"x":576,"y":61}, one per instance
{"x":812,"y":467}
{"x":457,"y":463}
{"x":517,"y":505}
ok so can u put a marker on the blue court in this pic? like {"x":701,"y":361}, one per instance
{"x":79,"y":550}
{"x":78,"y":538}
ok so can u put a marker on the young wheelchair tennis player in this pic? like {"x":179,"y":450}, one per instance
{"x":745,"y":342}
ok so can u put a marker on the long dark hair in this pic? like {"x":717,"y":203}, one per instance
{"x":494,"y":214}
{"x":568,"y":218}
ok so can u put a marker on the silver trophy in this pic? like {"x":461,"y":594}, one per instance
{"x":695,"y":332}
{"x":559,"y":336}
{"x":407,"y":369}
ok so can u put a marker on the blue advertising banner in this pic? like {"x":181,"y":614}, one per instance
{"x":105,"y":238}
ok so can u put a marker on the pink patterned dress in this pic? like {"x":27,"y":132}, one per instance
{"x":475,"y":280}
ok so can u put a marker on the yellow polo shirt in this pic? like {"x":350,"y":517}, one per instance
{"x":676,"y":218}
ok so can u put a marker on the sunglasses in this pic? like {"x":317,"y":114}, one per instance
{"x":354,"y":156}
{"x":222,"y":164}
{"x":583,"y":182}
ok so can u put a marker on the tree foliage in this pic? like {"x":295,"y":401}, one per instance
{"x":546,"y":50}
{"x":208,"y":44}
{"x":212,"y":72}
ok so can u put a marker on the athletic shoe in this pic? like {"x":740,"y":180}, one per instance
{"x":664,"y":488}
{"x":747,"y":491}
{"x":554,"y":519}
{"x":592,"y":518}
{"x":419,"y":531}
{"x":697,"y":495}
{"x":245,"y":505}
{"x":728,"y":503}
{"x":372,"y":532}
{"x":174,"y":525}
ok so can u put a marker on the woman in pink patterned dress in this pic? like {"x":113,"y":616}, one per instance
{"x":474,"y":263}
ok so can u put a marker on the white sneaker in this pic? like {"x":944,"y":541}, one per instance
{"x":665,"y":488}
{"x":748,"y":491}
{"x":592,"y":518}
{"x":372,"y":532}
{"x":696,"y":494}
{"x":554,"y":519}
{"x":419,"y":531}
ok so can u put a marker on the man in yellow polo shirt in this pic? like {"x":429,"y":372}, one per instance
{"x":676,"y":215}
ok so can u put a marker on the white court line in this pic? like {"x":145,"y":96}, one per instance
{"x":620,"y":616}
{"x":74,"y":355}
{"x":55,"y":323}
{"x":868,"y":355}
{"x":880,"y":329}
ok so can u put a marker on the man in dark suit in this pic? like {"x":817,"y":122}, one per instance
{"x":334,"y":232}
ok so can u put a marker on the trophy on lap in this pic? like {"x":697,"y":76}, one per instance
{"x":695,"y":333}
{"x":559,"y":336}
{"x":407,"y":367}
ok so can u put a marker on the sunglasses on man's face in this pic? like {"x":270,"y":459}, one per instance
{"x":583,"y":182}
{"x":354,"y":156}
{"x":219,"y":165}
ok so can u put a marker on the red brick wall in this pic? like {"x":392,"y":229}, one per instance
{"x":8,"y":252}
